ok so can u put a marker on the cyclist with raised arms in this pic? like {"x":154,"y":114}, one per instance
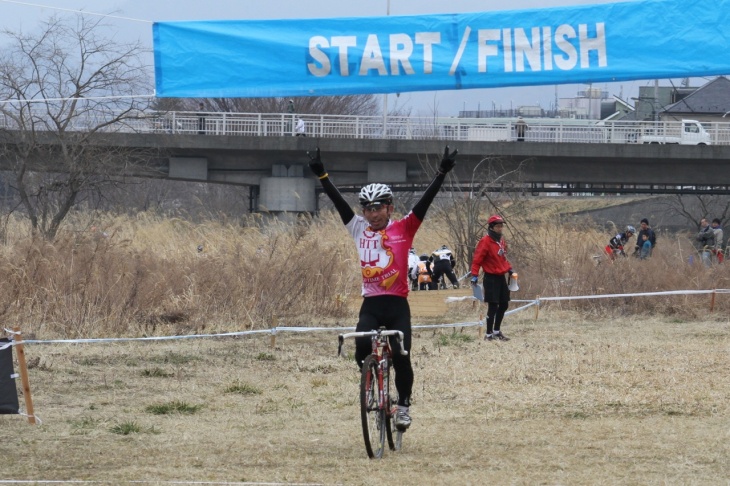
{"x":383,"y":246}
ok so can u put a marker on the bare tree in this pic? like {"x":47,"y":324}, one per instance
{"x":365,"y":105}
{"x":66,"y":87}
{"x":468,"y":204}
{"x":695,"y":207}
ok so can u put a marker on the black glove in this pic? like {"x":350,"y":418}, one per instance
{"x":448,"y":161}
{"x":315,"y":163}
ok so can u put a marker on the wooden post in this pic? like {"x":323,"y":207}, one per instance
{"x":712,"y":300}
{"x":481,"y":328}
{"x":273,"y":332}
{"x":537,"y":307}
{"x":24,"y":375}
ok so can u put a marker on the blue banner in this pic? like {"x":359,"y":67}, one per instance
{"x":646,"y":39}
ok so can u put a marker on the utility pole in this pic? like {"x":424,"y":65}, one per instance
{"x":385,"y":96}
{"x":590,"y":99}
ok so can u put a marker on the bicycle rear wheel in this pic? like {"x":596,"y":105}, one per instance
{"x":398,"y":438}
{"x":373,"y":416}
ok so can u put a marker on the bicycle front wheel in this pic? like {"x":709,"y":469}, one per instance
{"x":372,"y":413}
{"x":392,"y":406}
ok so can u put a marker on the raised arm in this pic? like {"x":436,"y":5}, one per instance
{"x":447,"y":163}
{"x":315,"y":163}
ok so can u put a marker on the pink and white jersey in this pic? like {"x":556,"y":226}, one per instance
{"x":384,"y":254}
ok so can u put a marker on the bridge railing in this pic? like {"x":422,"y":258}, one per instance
{"x":398,"y":127}
{"x":417,"y":128}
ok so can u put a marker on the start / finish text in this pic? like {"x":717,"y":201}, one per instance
{"x":603,"y":42}
{"x":565,"y":47}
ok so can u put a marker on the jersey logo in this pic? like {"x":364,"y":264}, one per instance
{"x":375,"y":256}
{"x":369,"y":263}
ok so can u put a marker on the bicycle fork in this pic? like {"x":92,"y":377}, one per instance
{"x":382,"y":385}
{"x":380,"y":402}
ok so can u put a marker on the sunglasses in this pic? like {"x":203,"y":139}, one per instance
{"x":373,"y":208}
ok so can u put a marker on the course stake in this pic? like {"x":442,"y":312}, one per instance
{"x":24,"y":375}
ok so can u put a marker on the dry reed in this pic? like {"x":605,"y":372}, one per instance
{"x":143,"y":275}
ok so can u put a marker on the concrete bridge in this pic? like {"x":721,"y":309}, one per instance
{"x":275,"y":167}
{"x":278,"y":165}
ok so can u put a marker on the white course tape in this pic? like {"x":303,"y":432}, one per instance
{"x":147,"y":338}
{"x":38,"y":419}
{"x":273,"y":331}
{"x":438,"y":326}
{"x":642,"y":294}
{"x":307,"y":329}
{"x":518,"y":309}
{"x":449,"y":300}
{"x":459,"y":299}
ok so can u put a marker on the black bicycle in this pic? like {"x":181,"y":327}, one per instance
{"x":378,"y":402}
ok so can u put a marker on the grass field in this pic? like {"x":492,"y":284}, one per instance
{"x":569,"y":400}
{"x":596,"y":391}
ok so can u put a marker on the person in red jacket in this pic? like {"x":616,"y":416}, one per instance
{"x":491,"y":256}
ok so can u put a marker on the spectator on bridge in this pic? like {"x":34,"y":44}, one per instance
{"x":645,"y":230}
{"x":443,"y":263}
{"x":201,"y":119}
{"x":382,"y":245}
{"x":520,"y":129}
{"x":719,"y":241}
{"x":617,"y":243}
{"x":301,"y":129}
{"x":705,"y":242}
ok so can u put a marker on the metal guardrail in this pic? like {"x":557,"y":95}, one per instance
{"x":398,"y":127}
{"x":416,"y":128}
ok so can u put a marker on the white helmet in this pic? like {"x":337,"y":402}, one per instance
{"x":376,"y":193}
{"x":631,"y":229}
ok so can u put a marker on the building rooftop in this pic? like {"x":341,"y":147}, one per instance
{"x":712,"y":98}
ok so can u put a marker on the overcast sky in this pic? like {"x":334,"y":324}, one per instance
{"x":139,"y":15}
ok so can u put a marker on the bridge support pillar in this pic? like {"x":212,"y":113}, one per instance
{"x":290,"y":193}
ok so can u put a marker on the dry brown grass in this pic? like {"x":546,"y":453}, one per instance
{"x":145,"y":276}
{"x":569,"y":400}
{"x":142,"y":275}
